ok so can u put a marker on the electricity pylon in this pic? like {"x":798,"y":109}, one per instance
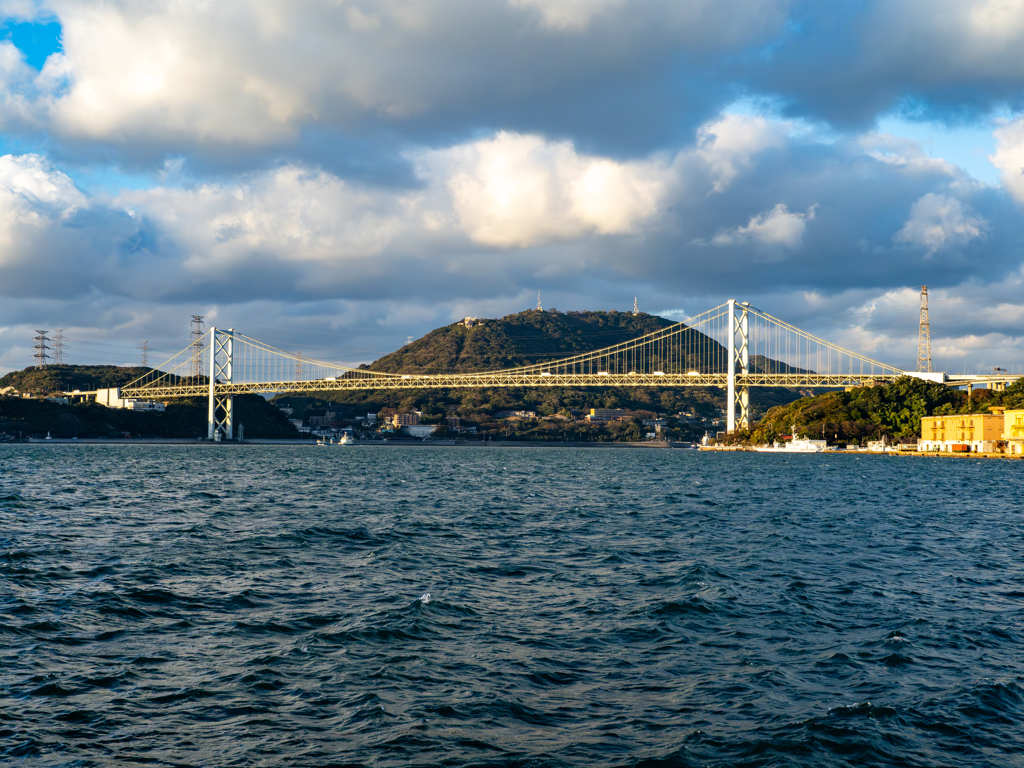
{"x":924,"y":336}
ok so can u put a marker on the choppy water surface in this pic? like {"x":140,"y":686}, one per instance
{"x":269,"y":606}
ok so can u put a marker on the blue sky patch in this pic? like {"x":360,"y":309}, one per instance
{"x":35,"y":40}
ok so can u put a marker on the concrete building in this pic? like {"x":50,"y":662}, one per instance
{"x":962,"y":433}
{"x":112,"y":399}
{"x":606,"y":414}
{"x":406,"y":419}
{"x":1013,"y":431}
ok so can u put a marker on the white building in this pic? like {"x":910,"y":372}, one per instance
{"x":112,"y":399}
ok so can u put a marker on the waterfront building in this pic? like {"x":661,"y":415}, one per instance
{"x":405,"y":419}
{"x":1013,"y":431}
{"x":112,"y":399}
{"x":606,"y":414}
{"x":962,"y":432}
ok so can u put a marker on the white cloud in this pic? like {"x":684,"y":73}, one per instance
{"x":999,"y":21}
{"x":1009,"y":157}
{"x":903,"y":153}
{"x":729,"y":144}
{"x":938,"y":220}
{"x":568,"y":14}
{"x":19,"y":10}
{"x":515,"y":190}
{"x":34,"y":194}
{"x":253,"y":73}
{"x":779,"y":226}
{"x":698,"y":23}
{"x":291,"y":213}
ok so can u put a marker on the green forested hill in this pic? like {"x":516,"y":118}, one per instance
{"x":894,"y":410}
{"x":51,"y":379}
{"x":521,"y":339}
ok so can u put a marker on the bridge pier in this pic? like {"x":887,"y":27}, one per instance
{"x":221,"y":411}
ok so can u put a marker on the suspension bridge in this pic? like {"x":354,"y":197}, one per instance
{"x":733,"y":346}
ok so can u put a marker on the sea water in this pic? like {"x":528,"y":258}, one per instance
{"x":382,"y":606}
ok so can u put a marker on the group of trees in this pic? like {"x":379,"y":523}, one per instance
{"x":867,"y":413}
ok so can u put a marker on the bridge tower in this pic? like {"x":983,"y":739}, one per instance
{"x":221,"y":408}
{"x":738,"y":408}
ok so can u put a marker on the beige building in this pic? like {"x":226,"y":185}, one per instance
{"x":1013,"y":431}
{"x":962,"y":432}
{"x":406,"y":419}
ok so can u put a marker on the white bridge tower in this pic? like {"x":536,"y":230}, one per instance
{"x":738,"y":399}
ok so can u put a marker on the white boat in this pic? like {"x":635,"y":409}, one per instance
{"x":796,"y":445}
{"x":345,"y":439}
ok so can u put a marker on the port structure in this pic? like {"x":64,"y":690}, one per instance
{"x":734,"y":346}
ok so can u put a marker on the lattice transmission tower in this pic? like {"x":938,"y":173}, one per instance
{"x":924,"y":336}
{"x":42,"y":348}
{"x":58,"y":347}
{"x":197,"y":335}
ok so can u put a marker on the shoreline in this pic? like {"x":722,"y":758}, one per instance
{"x":361,"y":444}
{"x":919,"y":454}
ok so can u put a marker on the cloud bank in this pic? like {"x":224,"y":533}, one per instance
{"x":379,"y":168}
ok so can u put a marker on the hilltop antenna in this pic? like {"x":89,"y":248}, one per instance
{"x":636,"y":309}
{"x":41,"y":348}
{"x":145,"y":353}
{"x":197,"y":346}
{"x":539,"y":307}
{"x":924,"y":336}
{"x":58,"y":347}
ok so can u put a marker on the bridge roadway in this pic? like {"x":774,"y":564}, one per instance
{"x":369,"y":381}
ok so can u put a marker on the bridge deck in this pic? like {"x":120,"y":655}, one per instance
{"x":511,"y":379}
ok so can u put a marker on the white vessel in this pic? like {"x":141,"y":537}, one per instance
{"x":345,"y":439}
{"x":796,"y":445}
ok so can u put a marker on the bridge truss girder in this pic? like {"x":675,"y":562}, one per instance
{"x":468,"y":381}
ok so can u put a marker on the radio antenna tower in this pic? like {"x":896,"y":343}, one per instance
{"x":924,"y":336}
{"x":197,"y":346}
{"x":58,"y":347}
{"x":539,"y":307}
{"x":636,"y":309}
{"x":145,"y":353}
{"x":41,"y":348}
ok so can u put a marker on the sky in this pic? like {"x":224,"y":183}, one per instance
{"x":334,"y":177}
